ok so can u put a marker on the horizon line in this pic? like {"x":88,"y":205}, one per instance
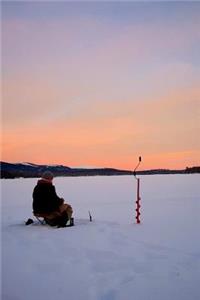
{"x":93,"y":167}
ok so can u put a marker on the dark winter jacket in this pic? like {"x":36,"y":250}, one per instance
{"x":45,"y":199}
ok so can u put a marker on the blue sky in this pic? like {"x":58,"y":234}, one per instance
{"x":115,"y":77}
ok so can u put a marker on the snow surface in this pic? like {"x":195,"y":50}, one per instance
{"x":111,"y":258}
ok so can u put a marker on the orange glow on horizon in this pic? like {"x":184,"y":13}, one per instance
{"x":113,"y":140}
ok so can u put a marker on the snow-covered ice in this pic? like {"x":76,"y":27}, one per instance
{"x":111,"y":258}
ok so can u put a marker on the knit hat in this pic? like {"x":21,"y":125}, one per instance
{"x":47,"y":175}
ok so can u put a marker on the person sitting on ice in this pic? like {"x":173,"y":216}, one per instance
{"x":48,"y":205}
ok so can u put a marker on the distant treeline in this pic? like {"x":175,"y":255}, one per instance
{"x":9,"y":170}
{"x":167,"y":171}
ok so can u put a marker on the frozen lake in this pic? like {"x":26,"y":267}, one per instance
{"x":111,"y":258}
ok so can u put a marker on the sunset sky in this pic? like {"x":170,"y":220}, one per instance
{"x":100,"y":83}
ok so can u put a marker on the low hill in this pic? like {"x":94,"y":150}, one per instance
{"x":29,"y":170}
